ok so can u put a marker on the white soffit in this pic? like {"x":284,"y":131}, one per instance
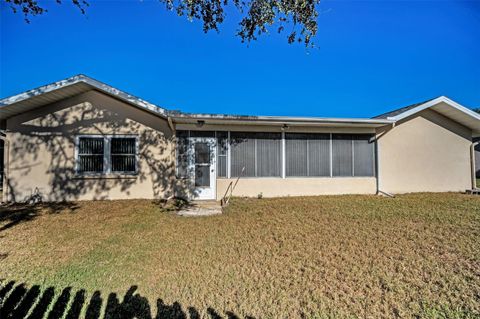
{"x":447,"y":108}
{"x":57,"y":91}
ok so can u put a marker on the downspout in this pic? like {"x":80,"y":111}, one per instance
{"x":377,"y":171}
{"x":472,"y":161}
{"x":5,"y":166}
{"x":170,"y":124}
{"x":174,"y":156}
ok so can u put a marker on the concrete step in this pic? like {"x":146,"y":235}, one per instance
{"x":201,"y":208}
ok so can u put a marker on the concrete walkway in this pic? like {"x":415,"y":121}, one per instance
{"x":201,"y":208}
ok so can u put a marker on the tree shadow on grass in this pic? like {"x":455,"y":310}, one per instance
{"x":17,"y":300}
{"x":42,"y":166}
{"x":14,"y":214}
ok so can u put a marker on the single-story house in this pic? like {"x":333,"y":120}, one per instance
{"x":81,"y":139}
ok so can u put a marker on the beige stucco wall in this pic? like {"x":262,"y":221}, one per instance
{"x":273,"y":187}
{"x":426,"y":153}
{"x":41,"y":146}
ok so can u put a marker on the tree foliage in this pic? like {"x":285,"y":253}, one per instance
{"x":257,"y":16}
{"x":33,"y":8}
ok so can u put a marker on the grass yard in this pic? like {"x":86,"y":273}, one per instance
{"x":313,"y":257}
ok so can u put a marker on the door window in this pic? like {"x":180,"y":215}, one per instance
{"x":202,"y":164}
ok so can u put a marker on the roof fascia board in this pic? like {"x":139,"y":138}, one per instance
{"x":280,"y":123}
{"x":278,"y":120}
{"x":40,"y":90}
{"x":125,"y":96}
{"x":432,"y":103}
{"x":105,"y":88}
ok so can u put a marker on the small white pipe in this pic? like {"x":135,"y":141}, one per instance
{"x":229,"y":159}
{"x":377,"y":172}
{"x":283,"y":154}
{"x":472,"y":161}
{"x":5,"y":168}
{"x":385,"y":193}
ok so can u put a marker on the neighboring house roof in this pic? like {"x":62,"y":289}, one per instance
{"x":78,"y":84}
{"x":60,"y":90}
{"x":442,"y":105}
{"x":399,"y":111}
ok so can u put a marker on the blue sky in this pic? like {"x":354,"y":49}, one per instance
{"x":371,"y":57}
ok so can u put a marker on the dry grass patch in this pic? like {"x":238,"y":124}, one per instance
{"x":333,"y":256}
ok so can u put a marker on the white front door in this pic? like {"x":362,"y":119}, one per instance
{"x":202,"y":166}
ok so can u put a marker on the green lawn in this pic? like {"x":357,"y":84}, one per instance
{"x":316,"y":257}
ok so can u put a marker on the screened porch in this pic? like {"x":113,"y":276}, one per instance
{"x":281,"y":154}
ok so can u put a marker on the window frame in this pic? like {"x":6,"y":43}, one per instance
{"x":78,"y":155}
{"x":107,"y":160}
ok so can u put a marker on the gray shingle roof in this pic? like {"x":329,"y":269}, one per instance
{"x":400,"y":110}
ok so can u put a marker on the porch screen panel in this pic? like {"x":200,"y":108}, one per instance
{"x":296,"y":154}
{"x":319,"y":155}
{"x":364,"y":159}
{"x":268,"y":154}
{"x":342,"y":155}
{"x":259,"y":153}
{"x":222,"y":141}
{"x":307,"y":154}
{"x":90,"y":155}
{"x":242,"y":151}
{"x":182,"y":154}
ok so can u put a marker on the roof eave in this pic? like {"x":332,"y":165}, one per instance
{"x":464,"y":115}
{"x":95,"y":84}
{"x":274,"y":120}
{"x":432,"y":103}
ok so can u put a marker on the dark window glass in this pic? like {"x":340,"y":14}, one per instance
{"x":202,"y":164}
{"x":202,"y":153}
{"x":202,"y":175}
{"x":182,"y":134}
{"x":123,"y":154}
{"x":90,"y":155}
